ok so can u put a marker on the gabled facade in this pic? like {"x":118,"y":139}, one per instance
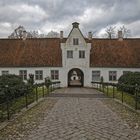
{"x":75,"y":60}
{"x":76,"y":54}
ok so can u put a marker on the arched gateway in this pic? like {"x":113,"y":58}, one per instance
{"x":75,"y":78}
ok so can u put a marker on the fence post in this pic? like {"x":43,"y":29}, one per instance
{"x":122,"y":96}
{"x":103,"y":88}
{"x":43,"y":90}
{"x":136,"y":98}
{"x":107,"y":89}
{"x":113,"y":91}
{"x":26,"y":97}
{"x":7,"y":102}
{"x":100,"y":87}
{"x":52,"y":87}
{"x":7,"y":105}
{"x":36,"y":89}
{"x":48,"y":89}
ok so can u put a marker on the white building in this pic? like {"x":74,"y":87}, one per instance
{"x":75,"y":60}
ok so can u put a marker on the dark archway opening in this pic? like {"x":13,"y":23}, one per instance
{"x":75,"y":78}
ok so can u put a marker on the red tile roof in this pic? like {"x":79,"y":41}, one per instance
{"x":42,"y":52}
{"x":30,"y":53}
{"x":114,"y":53}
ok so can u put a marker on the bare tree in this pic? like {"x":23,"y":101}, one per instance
{"x":110,"y":32}
{"x":33,"y":34}
{"x":125,"y":32}
{"x":18,"y":32}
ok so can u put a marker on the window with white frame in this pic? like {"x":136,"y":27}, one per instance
{"x":39,"y":75}
{"x":4,"y":72}
{"x":54,"y":74}
{"x":81,"y":54}
{"x":69,"y":54}
{"x":75,"y":41}
{"x":23,"y":74}
{"x":112,"y":75}
{"x":96,"y":76}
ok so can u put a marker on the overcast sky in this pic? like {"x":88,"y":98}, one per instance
{"x":56,"y":15}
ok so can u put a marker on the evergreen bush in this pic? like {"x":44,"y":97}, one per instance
{"x":11,"y":86}
{"x":128,"y":81}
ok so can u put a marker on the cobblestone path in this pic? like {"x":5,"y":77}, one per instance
{"x":82,"y":118}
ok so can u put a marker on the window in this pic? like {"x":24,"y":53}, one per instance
{"x":5,"y":72}
{"x":125,"y":72}
{"x":75,"y":41}
{"x":81,"y":54}
{"x":69,"y":54}
{"x":112,"y":75}
{"x":96,"y":76}
{"x":54,"y":74}
{"x":23,"y":74}
{"x":39,"y":75}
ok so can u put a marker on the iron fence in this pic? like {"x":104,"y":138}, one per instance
{"x":119,"y":91}
{"x":12,"y":106}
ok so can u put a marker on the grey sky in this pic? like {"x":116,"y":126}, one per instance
{"x":56,"y":15}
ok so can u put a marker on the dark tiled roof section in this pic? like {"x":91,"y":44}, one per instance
{"x":39,"y":52}
{"x":30,"y":53}
{"x":114,"y":53}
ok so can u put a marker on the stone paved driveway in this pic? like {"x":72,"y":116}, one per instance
{"x":80,"y":114}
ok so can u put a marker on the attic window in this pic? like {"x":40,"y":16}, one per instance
{"x":75,"y":41}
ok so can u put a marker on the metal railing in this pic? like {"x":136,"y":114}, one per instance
{"x":12,"y":106}
{"x":119,"y":91}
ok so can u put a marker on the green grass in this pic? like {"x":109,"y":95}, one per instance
{"x":17,"y":104}
{"x":127,"y":98}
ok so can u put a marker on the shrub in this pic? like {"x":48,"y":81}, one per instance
{"x":129,"y":80}
{"x":11,"y":86}
{"x":48,"y":82}
{"x":31,"y":80}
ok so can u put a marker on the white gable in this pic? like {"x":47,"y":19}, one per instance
{"x":75,"y":61}
{"x":75,"y":33}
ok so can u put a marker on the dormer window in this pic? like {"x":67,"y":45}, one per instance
{"x":75,"y":41}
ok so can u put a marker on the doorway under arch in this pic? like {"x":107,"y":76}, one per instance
{"x":75,"y":78}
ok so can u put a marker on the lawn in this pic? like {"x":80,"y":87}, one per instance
{"x":17,"y":104}
{"x":122,"y":96}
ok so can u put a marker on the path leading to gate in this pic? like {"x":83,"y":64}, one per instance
{"x":80,"y":114}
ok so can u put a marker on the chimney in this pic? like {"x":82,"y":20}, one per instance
{"x":90,"y":35}
{"x":61,"y":34}
{"x":75,"y":25}
{"x":24,"y":36}
{"x":120,"y":36}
